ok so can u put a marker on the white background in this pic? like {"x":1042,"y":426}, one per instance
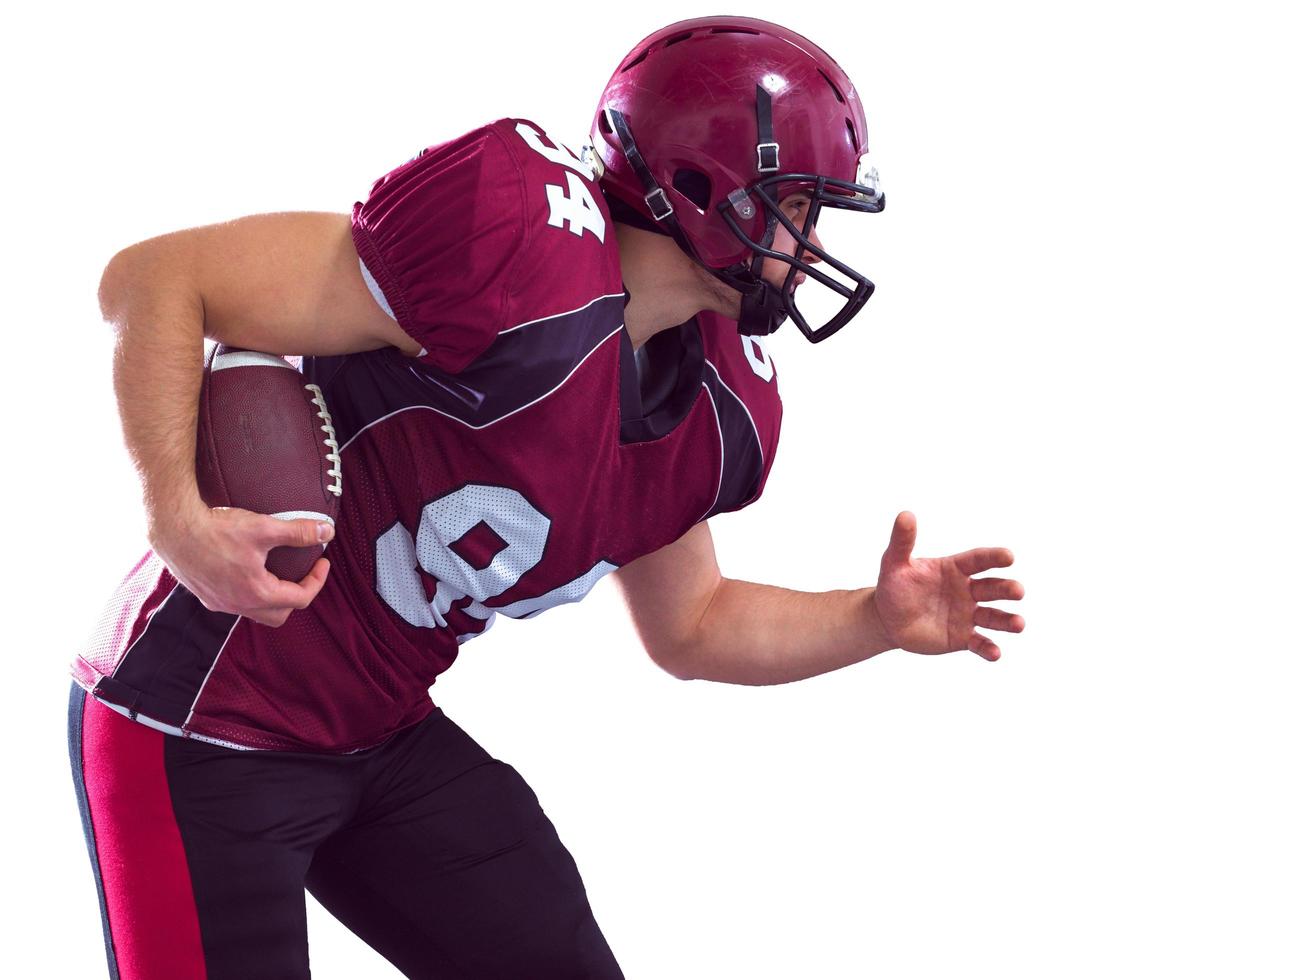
{"x":1086,"y":345}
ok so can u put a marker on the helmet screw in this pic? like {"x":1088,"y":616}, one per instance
{"x":740,"y":201}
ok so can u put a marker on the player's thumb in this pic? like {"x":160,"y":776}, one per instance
{"x":300,"y":532}
{"x":902,"y":539}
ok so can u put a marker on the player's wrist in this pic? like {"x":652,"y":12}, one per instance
{"x":175,"y":515}
{"x":879,"y":635}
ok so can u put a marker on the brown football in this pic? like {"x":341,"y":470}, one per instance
{"x":265,"y":443}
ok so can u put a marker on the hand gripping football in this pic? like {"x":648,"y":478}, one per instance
{"x":265,"y":443}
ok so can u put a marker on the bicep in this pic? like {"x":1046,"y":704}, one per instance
{"x":286,"y":283}
{"x":668,"y":591}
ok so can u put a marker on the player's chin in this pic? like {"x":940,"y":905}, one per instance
{"x":779,"y":282}
{"x":794,"y":285}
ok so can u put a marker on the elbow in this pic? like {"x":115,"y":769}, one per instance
{"x":676,"y":661}
{"x":144,"y":279}
{"x":116,"y":283}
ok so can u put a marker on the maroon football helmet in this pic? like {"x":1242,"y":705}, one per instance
{"x":709,"y":124}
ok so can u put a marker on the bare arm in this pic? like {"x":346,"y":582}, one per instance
{"x":282,"y":283}
{"x":696,"y":624}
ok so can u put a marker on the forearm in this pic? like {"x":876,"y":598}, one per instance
{"x":158,"y":356}
{"x":761,"y":634}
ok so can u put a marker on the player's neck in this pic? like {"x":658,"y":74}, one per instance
{"x":666,"y":286}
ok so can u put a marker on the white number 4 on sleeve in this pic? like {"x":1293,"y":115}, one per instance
{"x":573,"y":207}
{"x":576,"y":207}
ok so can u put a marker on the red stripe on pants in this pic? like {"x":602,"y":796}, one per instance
{"x":147,"y":886}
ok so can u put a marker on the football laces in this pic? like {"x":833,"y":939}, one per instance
{"x":329,"y":440}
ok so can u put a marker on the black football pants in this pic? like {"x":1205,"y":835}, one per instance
{"x":434,"y":853}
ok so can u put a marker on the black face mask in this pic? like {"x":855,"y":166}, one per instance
{"x":764,"y":307}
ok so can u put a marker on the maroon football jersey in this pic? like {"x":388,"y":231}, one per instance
{"x":526,"y":453}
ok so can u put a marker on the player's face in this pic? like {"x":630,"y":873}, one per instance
{"x":774,"y":270}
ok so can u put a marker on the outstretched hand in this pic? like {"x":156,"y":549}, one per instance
{"x":931,"y":605}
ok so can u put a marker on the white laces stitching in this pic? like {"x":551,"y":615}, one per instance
{"x":333,"y":447}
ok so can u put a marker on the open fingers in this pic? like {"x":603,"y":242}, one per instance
{"x":982,"y":559}
{"x":983,"y":647}
{"x":996,"y":589}
{"x":996,"y":619}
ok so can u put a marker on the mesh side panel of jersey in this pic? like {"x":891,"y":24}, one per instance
{"x":124,"y":617}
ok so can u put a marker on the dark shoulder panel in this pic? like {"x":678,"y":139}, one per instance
{"x":520,"y":367}
{"x":741,"y":379}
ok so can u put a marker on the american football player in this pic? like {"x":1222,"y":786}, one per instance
{"x":544,"y":365}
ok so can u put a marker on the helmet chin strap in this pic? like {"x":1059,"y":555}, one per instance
{"x":762,"y":305}
{"x":763,"y":309}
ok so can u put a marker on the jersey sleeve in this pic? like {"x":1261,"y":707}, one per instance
{"x":441,"y":238}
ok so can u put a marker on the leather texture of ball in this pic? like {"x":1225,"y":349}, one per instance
{"x":265,"y":443}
